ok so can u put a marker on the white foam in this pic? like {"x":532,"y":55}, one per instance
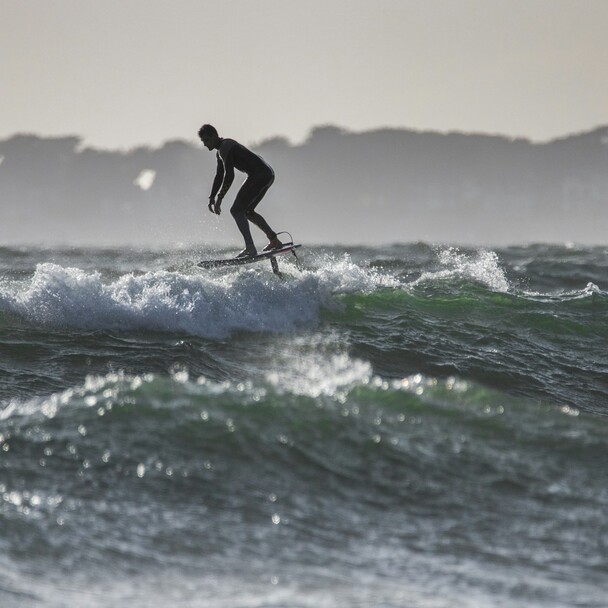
{"x":589,"y":291}
{"x":482,"y":266}
{"x":203,"y":304}
{"x":342,"y":275}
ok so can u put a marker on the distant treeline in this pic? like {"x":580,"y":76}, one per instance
{"x":338,"y":186}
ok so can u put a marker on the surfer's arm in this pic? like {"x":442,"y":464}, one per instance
{"x":226,"y":153}
{"x":219,"y":178}
{"x":214,"y":206}
{"x":227,"y":181}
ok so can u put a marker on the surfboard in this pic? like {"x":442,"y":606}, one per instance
{"x":265,"y":255}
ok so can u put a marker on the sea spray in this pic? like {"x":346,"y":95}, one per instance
{"x":482,"y":266}
{"x":203,"y":304}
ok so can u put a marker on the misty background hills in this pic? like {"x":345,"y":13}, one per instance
{"x":374,"y":187}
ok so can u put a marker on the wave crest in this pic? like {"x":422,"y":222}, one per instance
{"x":482,"y":266}
{"x":212,"y":305}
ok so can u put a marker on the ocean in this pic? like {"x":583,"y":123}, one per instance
{"x":403,"y":426}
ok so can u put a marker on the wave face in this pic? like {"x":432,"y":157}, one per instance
{"x":394,"y":426}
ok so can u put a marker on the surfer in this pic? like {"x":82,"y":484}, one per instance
{"x":232,"y":155}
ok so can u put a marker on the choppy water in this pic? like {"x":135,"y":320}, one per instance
{"x":401,"y":426}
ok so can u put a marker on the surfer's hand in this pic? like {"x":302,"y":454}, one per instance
{"x":211,"y":205}
{"x":218,"y":206}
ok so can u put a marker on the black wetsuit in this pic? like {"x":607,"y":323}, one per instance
{"x":230,"y":156}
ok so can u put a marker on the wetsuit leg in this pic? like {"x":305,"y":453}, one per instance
{"x":254,"y":217}
{"x":250,"y":194}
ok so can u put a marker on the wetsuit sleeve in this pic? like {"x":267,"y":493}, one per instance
{"x":228,"y":178}
{"x":219,"y":177}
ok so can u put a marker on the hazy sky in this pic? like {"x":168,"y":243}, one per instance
{"x":128,"y":72}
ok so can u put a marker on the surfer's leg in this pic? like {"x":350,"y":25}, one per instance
{"x":239,"y":210}
{"x":253,"y":216}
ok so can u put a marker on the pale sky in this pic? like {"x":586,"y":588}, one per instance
{"x":123,"y":73}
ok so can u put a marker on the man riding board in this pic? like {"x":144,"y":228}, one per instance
{"x":232,"y":155}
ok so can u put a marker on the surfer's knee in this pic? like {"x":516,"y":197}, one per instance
{"x":236,"y":211}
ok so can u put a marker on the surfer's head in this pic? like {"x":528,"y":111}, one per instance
{"x":209,"y":136}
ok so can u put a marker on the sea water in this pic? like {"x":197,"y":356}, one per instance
{"x":402,"y":426}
